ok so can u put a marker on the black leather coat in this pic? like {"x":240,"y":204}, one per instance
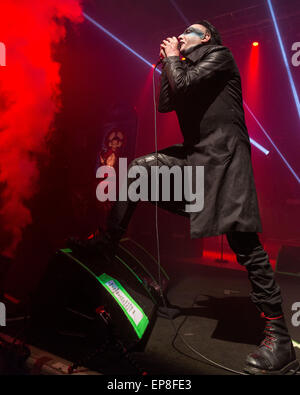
{"x":205,"y":91}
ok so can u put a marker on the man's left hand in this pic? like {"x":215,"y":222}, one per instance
{"x":170,"y":46}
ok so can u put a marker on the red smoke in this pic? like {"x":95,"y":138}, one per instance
{"x":29,"y":100}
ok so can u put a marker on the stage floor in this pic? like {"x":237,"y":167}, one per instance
{"x":218,"y":320}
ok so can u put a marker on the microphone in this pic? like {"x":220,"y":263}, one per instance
{"x":159,"y":62}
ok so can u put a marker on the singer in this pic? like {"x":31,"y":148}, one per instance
{"x":205,"y":92}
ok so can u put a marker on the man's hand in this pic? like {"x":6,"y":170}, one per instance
{"x":169,"y":47}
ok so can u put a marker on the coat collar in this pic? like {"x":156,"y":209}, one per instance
{"x":198,"y":53}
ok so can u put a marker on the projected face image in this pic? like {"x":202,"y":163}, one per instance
{"x":192,"y":36}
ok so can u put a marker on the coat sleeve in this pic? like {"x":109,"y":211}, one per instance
{"x":182,"y":80}
{"x":165,"y":103}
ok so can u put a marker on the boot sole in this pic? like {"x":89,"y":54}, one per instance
{"x":288,"y":370}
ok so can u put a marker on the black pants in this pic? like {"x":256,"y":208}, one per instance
{"x":246,"y":245}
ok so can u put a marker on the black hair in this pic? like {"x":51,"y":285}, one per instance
{"x":215,"y":35}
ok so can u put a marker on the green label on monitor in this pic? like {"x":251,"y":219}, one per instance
{"x":132,"y":310}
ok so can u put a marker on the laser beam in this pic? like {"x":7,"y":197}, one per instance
{"x":273,"y":144}
{"x":99,"y":26}
{"x":286,"y":62}
{"x":257,"y":145}
{"x":292,"y":84}
{"x":175,"y":5}
{"x":260,"y":147}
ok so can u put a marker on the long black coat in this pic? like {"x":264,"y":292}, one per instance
{"x":205,"y":91}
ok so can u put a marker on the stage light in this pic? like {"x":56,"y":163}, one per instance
{"x":293,"y":88}
{"x":145,"y":61}
{"x":260,"y":147}
{"x":255,"y":44}
{"x":286,"y":62}
{"x":177,"y":8}
{"x":252,"y":77}
{"x":273,"y":144}
{"x":99,"y":26}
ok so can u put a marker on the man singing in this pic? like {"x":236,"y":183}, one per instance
{"x":205,"y":91}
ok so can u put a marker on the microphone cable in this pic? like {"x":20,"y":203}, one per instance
{"x":176,"y":330}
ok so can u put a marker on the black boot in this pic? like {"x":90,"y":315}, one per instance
{"x":275,"y":355}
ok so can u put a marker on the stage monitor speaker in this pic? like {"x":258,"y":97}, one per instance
{"x":81,"y":295}
{"x":288,"y":260}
